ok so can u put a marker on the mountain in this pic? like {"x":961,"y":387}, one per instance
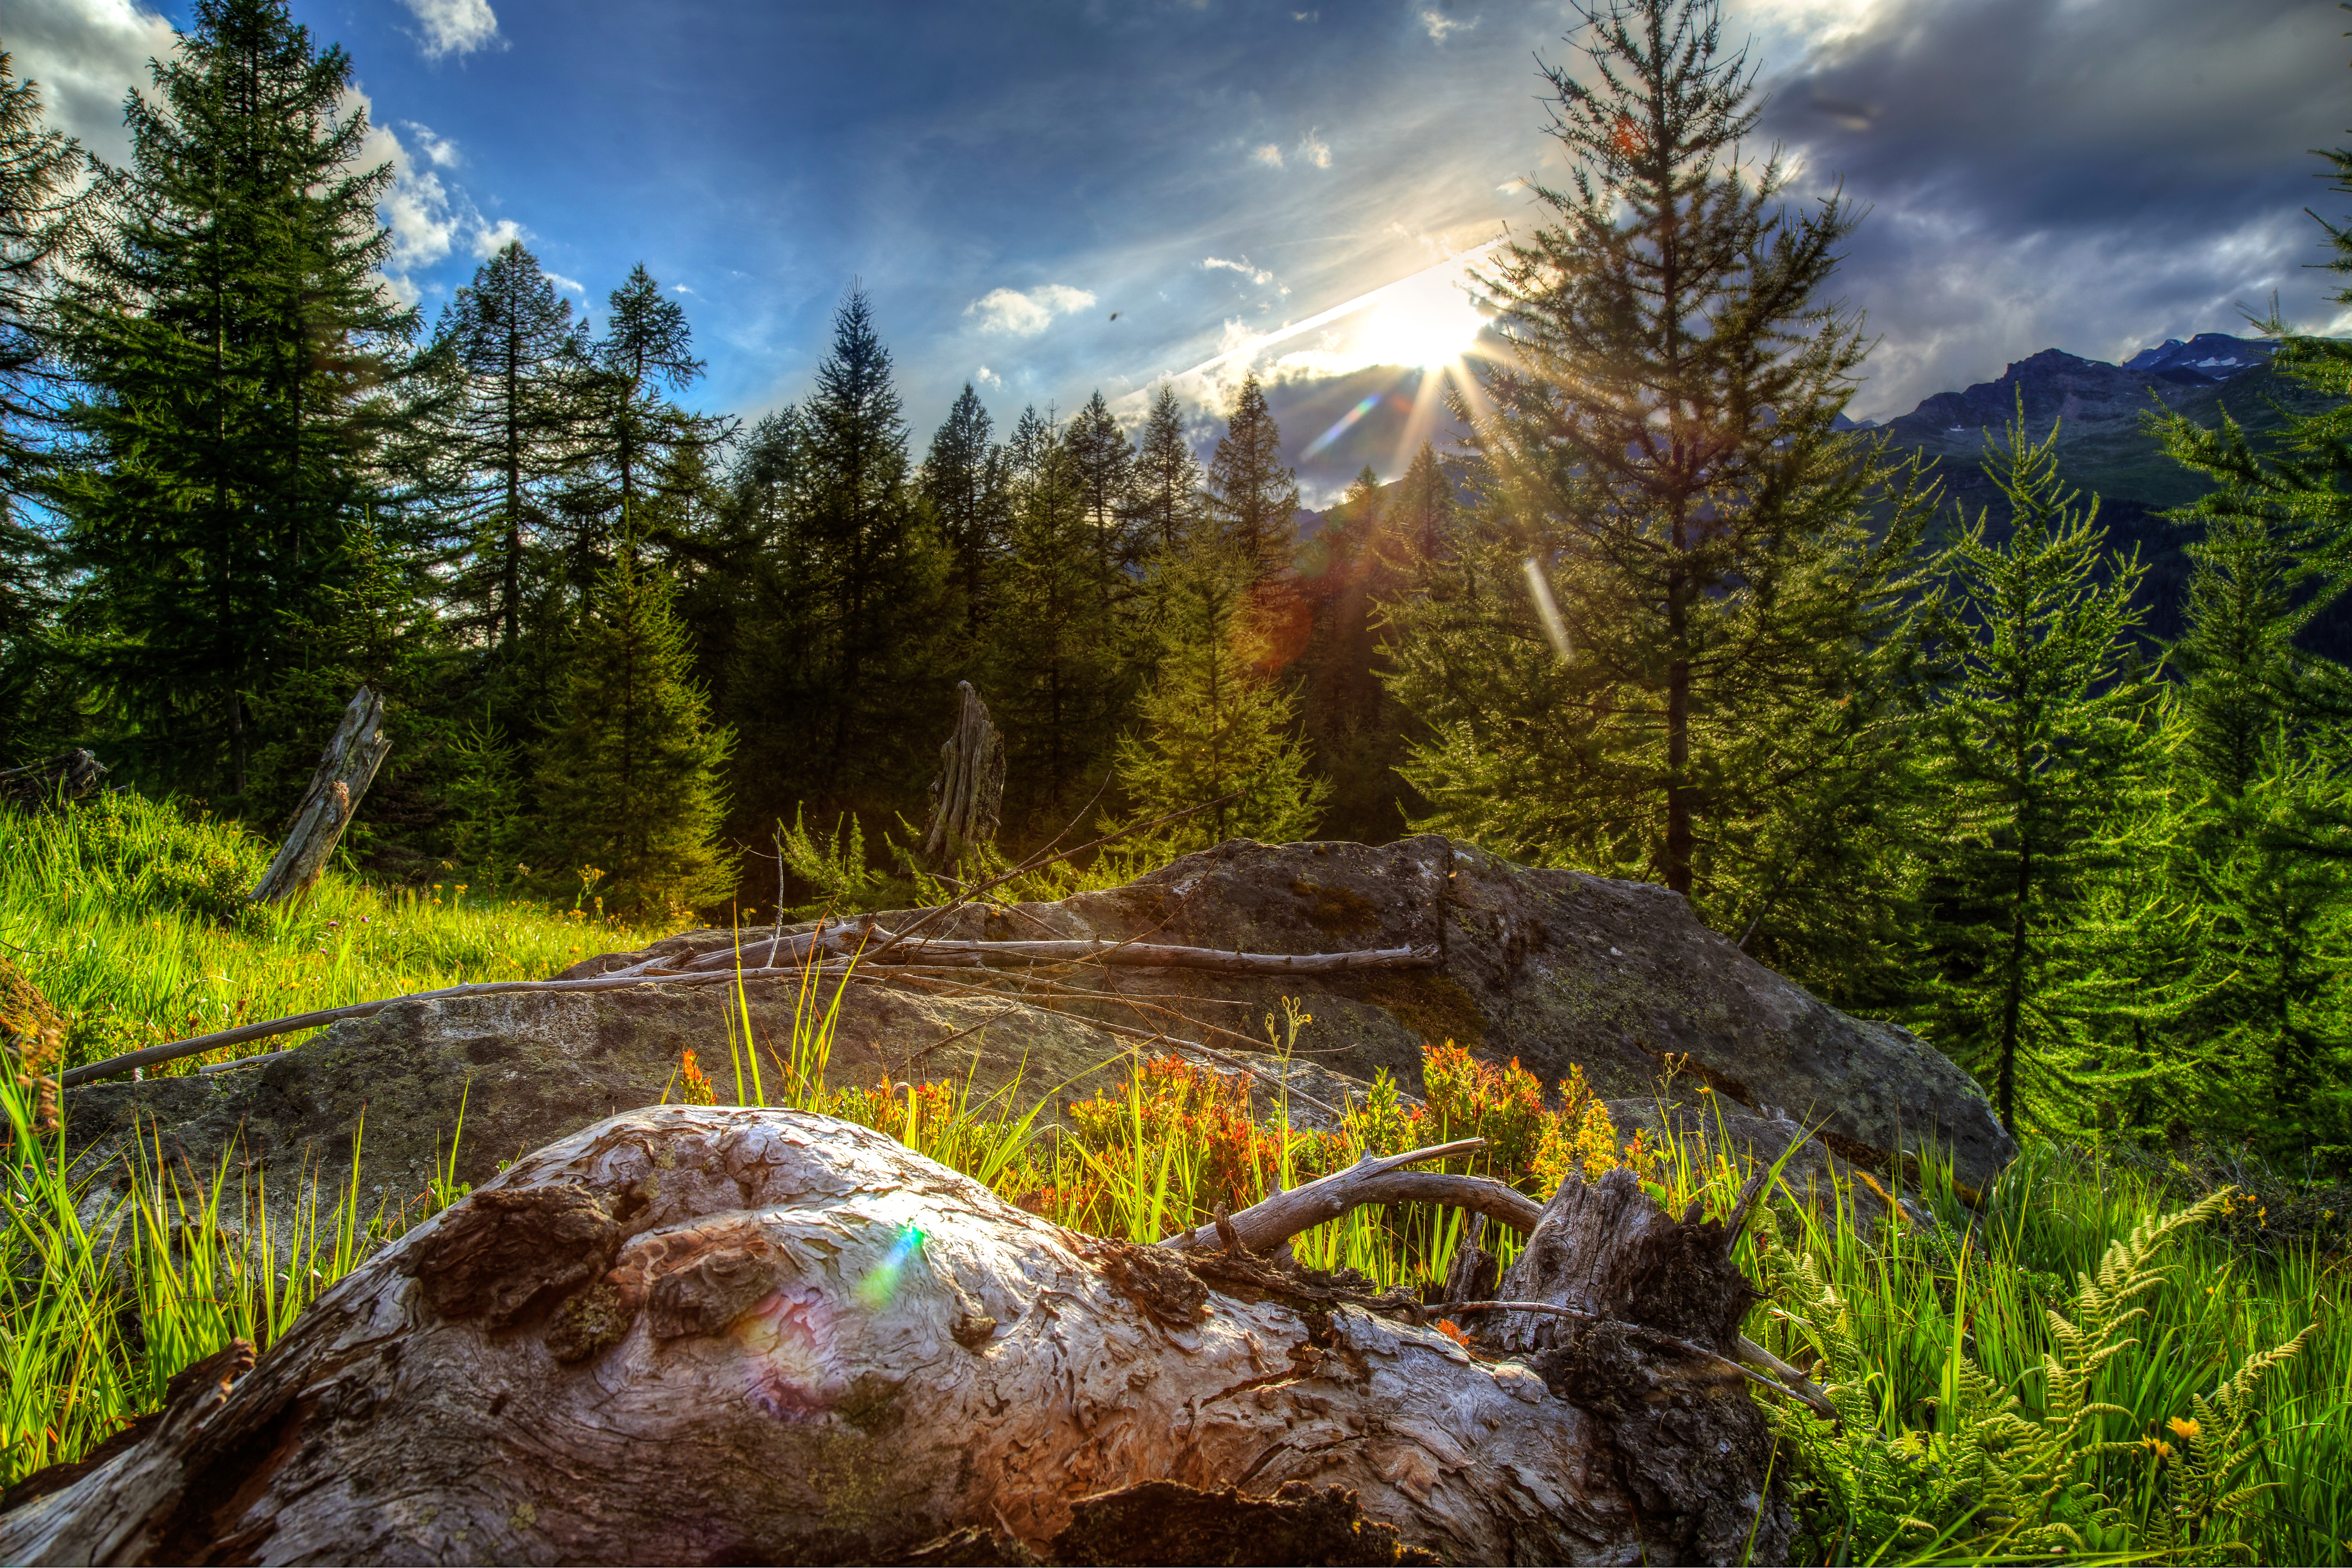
{"x":2105,"y":450}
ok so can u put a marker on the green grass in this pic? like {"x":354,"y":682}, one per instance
{"x":129,"y":917}
{"x":1921,"y":1331}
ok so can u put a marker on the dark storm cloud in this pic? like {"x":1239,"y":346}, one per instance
{"x":2087,"y":174}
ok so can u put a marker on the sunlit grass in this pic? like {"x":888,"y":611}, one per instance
{"x":129,"y":915}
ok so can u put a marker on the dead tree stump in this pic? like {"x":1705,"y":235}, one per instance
{"x":727,"y":1334}
{"x":968,"y":796}
{"x":68,"y":776}
{"x":345,"y":771}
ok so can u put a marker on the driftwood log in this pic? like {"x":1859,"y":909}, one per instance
{"x":68,"y":776}
{"x":968,"y":796}
{"x":725,"y":1334}
{"x":345,"y":770}
{"x":783,"y":959}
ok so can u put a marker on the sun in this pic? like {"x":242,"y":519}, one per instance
{"x":1423,"y":322}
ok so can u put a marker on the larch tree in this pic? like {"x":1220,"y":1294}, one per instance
{"x":1252,"y":496}
{"x":2044,"y":746}
{"x":233,"y":341}
{"x":633,"y":780}
{"x":1668,"y":639}
{"x":1215,"y":730}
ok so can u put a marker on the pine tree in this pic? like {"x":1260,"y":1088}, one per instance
{"x":1164,"y":484}
{"x":1105,"y":468}
{"x":1422,"y":514}
{"x":647,"y":350}
{"x":2044,"y":744}
{"x":1057,"y":680}
{"x":521,"y":356}
{"x":1353,"y":725}
{"x":632,"y":783}
{"x":1671,"y":638}
{"x":2270,"y":857}
{"x":850,"y":699}
{"x":1216,"y":732}
{"x":1251,"y":496}
{"x":234,"y":341}
{"x":43,"y":219}
{"x":964,"y":481}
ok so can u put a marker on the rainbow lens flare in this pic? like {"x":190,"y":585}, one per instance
{"x":881,"y":1285}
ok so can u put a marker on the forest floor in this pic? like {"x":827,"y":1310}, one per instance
{"x":2056,"y":1373}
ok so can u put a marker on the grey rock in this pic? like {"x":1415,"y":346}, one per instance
{"x":1556,"y":968}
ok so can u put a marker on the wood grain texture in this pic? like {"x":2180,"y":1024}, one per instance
{"x":715,"y":1333}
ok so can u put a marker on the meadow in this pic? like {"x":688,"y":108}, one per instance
{"x":2083,"y":1368}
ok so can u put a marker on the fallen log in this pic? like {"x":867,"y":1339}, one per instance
{"x":713,"y":1333}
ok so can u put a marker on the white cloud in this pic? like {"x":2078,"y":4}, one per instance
{"x":679,"y":289}
{"x":86,"y":54}
{"x":1254,"y":273}
{"x":439,"y":150}
{"x":988,"y":378}
{"x":568,"y":285}
{"x":491,"y":239}
{"x":1270,"y":155}
{"x":1025,"y":315}
{"x":1315,"y":150}
{"x":1441,"y":26}
{"x":454,"y":27}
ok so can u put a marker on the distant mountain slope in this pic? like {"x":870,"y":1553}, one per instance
{"x":2104,"y":450}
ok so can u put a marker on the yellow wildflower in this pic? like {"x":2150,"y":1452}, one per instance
{"x":2182,"y":1427}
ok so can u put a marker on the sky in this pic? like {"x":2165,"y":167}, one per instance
{"x":1049,"y":198}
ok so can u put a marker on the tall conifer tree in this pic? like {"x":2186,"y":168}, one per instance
{"x":964,"y":481}
{"x":632,"y":781}
{"x":2045,"y":745}
{"x":42,"y":220}
{"x":1104,"y":465}
{"x":848,"y":704}
{"x":1252,"y":495}
{"x":1215,"y":726}
{"x":1164,"y":484}
{"x":1057,"y":678}
{"x":235,"y":339}
{"x":1657,"y":462}
{"x":522,"y":355}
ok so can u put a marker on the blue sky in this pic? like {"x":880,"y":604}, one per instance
{"x":2090,"y":174}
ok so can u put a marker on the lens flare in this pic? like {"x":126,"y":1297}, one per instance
{"x":876,"y":1289}
{"x":1346,"y":422}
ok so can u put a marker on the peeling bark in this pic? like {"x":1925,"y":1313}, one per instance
{"x":716,"y":1333}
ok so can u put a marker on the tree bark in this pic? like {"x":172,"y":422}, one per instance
{"x":968,"y":796}
{"x":344,"y":773}
{"x":717,"y":1333}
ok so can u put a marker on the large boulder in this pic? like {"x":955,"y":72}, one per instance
{"x":1556,"y":968}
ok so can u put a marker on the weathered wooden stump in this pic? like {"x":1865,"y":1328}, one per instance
{"x":721,"y":1335}
{"x":68,"y":776}
{"x":345,"y":770}
{"x":969,"y":794}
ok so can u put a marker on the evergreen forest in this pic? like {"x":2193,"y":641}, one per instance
{"x":1662,"y":615}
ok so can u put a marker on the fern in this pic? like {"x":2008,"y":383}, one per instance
{"x":2002,"y":1479}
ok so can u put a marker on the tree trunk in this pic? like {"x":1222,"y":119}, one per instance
{"x":717,"y":1333}
{"x":344,"y":773}
{"x":969,"y":794}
